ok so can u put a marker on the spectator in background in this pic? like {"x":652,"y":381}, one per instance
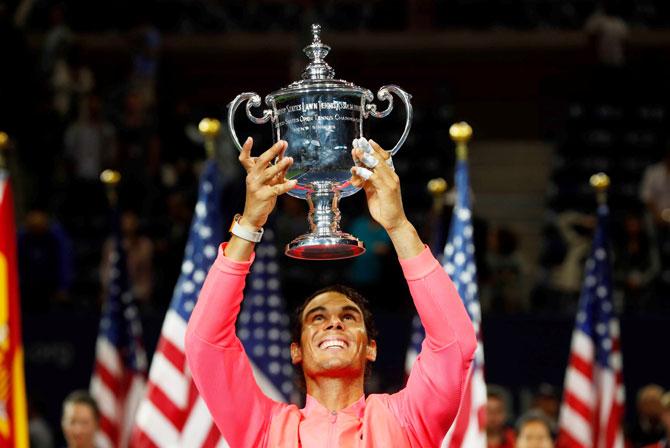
{"x":45,"y":262}
{"x":139,"y":155}
{"x":90,"y":143}
{"x":365,"y":272}
{"x":648,"y":427}
{"x":90,"y":147}
{"x":58,"y":40}
{"x":655,"y":190}
{"x":170,"y":238}
{"x":498,"y":433}
{"x":535,"y":430}
{"x":72,"y":82}
{"x":39,"y":431}
{"x":665,"y":419}
{"x":547,"y":401}
{"x":504,"y":290}
{"x":655,"y":194}
{"x":576,"y":229}
{"x":80,"y":420}
{"x":140,"y":252}
{"x":146,"y":43}
{"x":637,"y":262}
{"x":608,"y":33}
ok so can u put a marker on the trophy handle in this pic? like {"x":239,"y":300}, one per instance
{"x":253,"y":100}
{"x":384,"y":94}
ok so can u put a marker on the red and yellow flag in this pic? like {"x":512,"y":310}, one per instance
{"x":13,"y":415}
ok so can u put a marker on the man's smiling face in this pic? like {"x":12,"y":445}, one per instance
{"x":334,"y":340}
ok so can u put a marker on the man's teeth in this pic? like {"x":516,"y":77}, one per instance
{"x":332,"y":343}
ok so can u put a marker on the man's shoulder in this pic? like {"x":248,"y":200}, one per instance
{"x":373,"y":401}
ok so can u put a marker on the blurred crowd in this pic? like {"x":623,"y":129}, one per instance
{"x":88,"y":122}
{"x":537,"y":426}
{"x":182,"y":16}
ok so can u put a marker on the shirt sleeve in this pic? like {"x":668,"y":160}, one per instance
{"x":428,"y":404}
{"x":220,"y":368}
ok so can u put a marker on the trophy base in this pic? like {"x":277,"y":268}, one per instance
{"x":327,"y":247}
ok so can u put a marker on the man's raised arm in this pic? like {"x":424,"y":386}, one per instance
{"x":220,"y":368}
{"x":429,"y":403}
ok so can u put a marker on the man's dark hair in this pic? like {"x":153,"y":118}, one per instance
{"x":536,"y":416}
{"x":351,"y":294}
{"x":83,"y":397}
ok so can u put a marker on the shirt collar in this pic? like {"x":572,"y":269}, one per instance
{"x":312,"y":406}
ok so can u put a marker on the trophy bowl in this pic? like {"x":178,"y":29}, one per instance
{"x":320,"y":117}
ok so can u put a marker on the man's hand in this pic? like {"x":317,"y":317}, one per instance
{"x":382,"y":188}
{"x":380,"y":183}
{"x":265,"y":182}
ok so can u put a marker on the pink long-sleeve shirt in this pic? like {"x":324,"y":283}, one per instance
{"x":417,"y":416}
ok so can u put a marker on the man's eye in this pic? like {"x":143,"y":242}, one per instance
{"x":349,"y":317}
{"x":317,"y":317}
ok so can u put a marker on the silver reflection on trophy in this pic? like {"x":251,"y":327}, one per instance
{"x":319,"y":117}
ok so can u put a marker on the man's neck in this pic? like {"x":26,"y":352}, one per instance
{"x":335,"y":394}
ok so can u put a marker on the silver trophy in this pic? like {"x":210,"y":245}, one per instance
{"x":319,"y":117}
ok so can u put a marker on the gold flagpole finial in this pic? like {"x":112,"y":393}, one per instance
{"x":437,"y":187}
{"x":600,"y":183}
{"x":4,"y":141}
{"x":461,"y":133}
{"x":111,"y":179}
{"x":209,"y":128}
{"x":4,"y":145}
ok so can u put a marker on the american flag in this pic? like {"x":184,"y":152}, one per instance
{"x":468,"y":430}
{"x":119,"y":375}
{"x":263,"y":325}
{"x":593,"y":399}
{"x":172,"y":414}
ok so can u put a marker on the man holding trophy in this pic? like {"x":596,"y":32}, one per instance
{"x":314,"y":120}
{"x":334,"y":346}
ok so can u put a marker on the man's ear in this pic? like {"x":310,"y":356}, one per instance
{"x":371,"y":351}
{"x":296,"y":353}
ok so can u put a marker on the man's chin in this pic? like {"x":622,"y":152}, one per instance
{"x":339,"y":367}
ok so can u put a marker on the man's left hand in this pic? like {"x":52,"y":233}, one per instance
{"x":381,"y":184}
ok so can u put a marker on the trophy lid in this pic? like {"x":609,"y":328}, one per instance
{"x":317,"y":52}
{"x":318,"y":74}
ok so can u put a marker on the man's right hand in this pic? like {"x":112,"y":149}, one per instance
{"x":265,"y":181}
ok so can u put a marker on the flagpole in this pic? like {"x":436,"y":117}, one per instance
{"x":210,"y":128}
{"x":461,"y":133}
{"x":600,"y":183}
{"x":111,"y":179}
{"x":436,"y":187}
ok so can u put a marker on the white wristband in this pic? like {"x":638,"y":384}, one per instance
{"x":246,"y":234}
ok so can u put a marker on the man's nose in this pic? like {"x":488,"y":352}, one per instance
{"x":334,"y":323}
